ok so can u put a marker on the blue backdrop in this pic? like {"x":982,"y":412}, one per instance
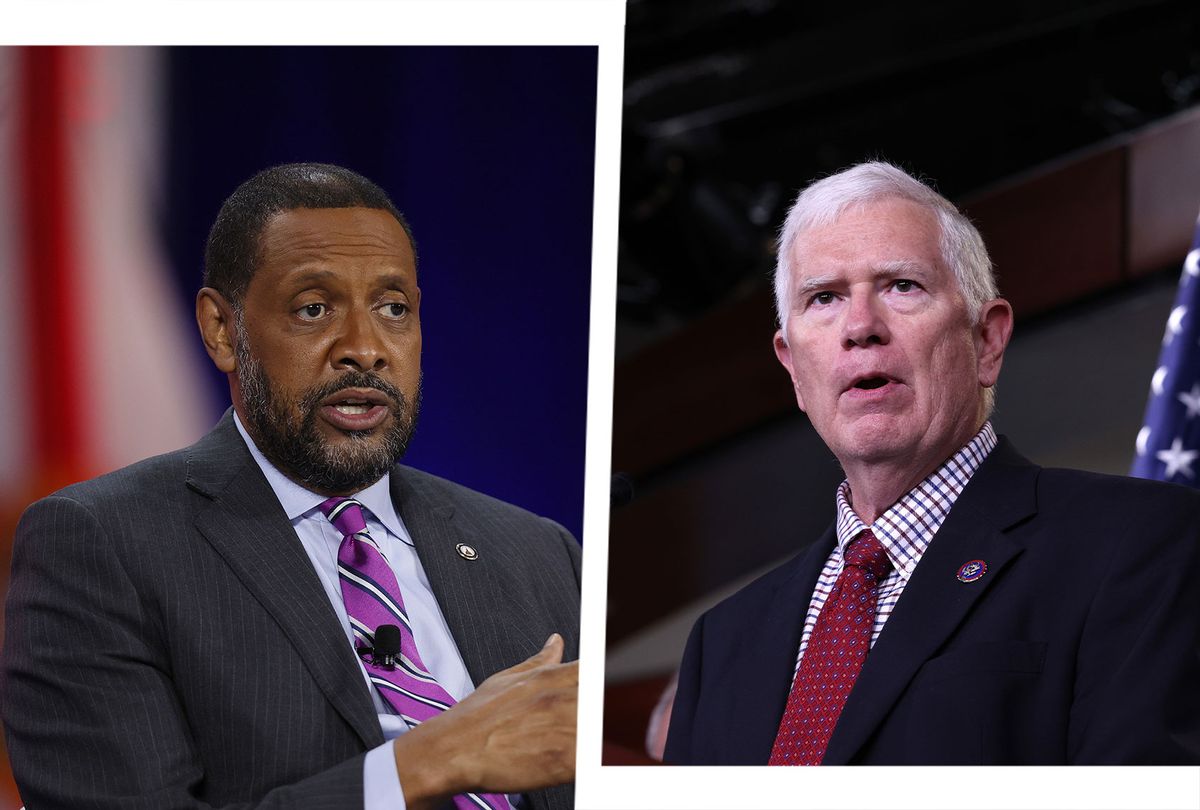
{"x":489,"y":152}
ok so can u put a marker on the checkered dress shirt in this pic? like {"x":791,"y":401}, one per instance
{"x":905,"y":530}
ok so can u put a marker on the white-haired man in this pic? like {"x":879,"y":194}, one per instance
{"x":967,"y":606}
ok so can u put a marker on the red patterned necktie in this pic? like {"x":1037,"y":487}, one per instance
{"x":836,"y":650}
{"x":373,"y":598}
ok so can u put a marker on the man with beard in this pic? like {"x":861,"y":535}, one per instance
{"x":199,"y":629}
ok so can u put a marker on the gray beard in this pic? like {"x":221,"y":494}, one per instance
{"x":290,"y":440}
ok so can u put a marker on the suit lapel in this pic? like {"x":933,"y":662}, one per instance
{"x":248,"y":528}
{"x":770,"y":658}
{"x":934,"y":603}
{"x":485,"y":615}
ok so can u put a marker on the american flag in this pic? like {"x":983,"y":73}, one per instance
{"x":1168,"y":445}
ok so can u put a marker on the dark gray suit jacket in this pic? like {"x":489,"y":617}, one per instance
{"x":169,"y":645}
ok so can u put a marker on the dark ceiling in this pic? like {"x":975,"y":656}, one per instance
{"x":731,"y":106}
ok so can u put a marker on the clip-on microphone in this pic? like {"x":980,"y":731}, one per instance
{"x":387,"y":646}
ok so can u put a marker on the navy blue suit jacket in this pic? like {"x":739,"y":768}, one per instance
{"x":1081,"y":643}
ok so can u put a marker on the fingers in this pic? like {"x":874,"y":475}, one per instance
{"x":552,"y":650}
{"x":550,"y":653}
{"x":516,"y":732}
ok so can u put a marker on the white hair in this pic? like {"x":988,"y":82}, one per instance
{"x":824,"y":201}
{"x":827,"y":199}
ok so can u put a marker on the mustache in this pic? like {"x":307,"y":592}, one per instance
{"x":356,"y":379}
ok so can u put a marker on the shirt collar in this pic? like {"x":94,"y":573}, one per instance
{"x":299,"y":502}
{"x":908,"y":525}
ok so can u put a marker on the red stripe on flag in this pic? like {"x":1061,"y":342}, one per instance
{"x":47,"y":94}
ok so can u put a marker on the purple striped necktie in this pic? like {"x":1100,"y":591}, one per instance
{"x":372,"y":598}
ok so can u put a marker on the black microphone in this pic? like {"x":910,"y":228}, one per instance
{"x":620,"y":491}
{"x":387,"y":645}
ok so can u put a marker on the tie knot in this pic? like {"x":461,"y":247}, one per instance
{"x":345,"y":514}
{"x":867,"y":553}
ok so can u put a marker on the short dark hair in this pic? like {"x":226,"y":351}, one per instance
{"x":232,"y":253}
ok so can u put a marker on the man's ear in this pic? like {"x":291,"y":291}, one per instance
{"x":214,"y":316}
{"x":991,"y":337}
{"x":784,"y":355}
